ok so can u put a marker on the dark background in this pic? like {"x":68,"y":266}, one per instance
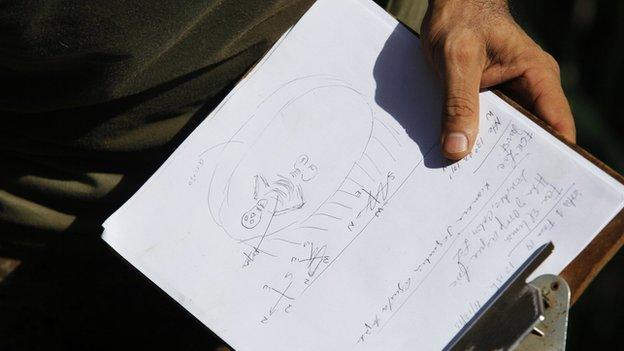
{"x":587,"y":39}
{"x":121,"y":311}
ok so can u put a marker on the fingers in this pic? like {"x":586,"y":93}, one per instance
{"x":550,"y":103}
{"x":459,"y":55}
{"x":478,"y":47}
{"x":540,"y":89}
{"x":462,"y":70}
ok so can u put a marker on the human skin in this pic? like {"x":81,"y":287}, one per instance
{"x":476,"y":44}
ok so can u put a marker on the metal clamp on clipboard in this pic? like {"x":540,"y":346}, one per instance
{"x":522,"y":316}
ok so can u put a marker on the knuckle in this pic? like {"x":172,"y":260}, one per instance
{"x":458,"y":108}
{"x":551,"y":64}
{"x":461,"y":48}
{"x":429,"y":24}
{"x":554,"y":65}
{"x":435,"y":29}
{"x":438,"y":17}
{"x":431,"y":44}
{"x":433,"y":37}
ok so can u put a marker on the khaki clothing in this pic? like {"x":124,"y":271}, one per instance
{"x":97,"y":93}
{"x":410,"y":12}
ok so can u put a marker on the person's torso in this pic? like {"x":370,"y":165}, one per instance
{"x":96,"y":92}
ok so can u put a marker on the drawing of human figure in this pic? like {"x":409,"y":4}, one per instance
{"x":280,"y":196}
{"x":289,"y":157}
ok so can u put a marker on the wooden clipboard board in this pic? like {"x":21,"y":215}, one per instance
{"x":586,"y":266}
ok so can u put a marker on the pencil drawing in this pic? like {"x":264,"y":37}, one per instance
{"x":306,"y":160}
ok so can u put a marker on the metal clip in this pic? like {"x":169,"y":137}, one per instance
{"x":521,"y":316}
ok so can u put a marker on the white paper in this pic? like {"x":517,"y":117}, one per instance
{"x":312,"y":209}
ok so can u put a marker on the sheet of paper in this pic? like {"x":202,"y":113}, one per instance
{"x":312,"y":209}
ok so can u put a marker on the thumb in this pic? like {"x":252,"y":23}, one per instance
{"x":460,"y":120}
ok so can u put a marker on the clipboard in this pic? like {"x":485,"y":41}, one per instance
{"x":575,"y":277}
{"x":583,"y":277}
{"x":541,"y":307}
{"x":586,"y":266}
{"x":519,"y":297}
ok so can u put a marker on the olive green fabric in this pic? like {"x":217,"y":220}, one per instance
{"x":95,"y":95}
{"x":410,"y":12}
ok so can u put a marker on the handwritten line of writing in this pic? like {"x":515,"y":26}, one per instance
{"x":459,"y":234}
{"x":561,"y":197}
{"x":492,"y":149}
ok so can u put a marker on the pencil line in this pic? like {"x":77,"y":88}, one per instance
{"x":339,"y":204}
{"x":409,"y":175}
{"x":373,"y":163}
{"x":363,"y":170}
{"x":384,"y":147}
{"x":492,"y":149}
{"x":394,"y":135}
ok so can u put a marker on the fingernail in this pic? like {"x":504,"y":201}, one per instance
{"x":455,"y":143}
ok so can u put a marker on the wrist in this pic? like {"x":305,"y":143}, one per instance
{"x":493,"y":3}
{"x":500,"y":7}
{"x":477,"y":16}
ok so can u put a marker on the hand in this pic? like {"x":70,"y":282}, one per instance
{"x":476,"y":44}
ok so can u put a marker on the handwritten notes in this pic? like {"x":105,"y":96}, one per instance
{"x":312,"y":210}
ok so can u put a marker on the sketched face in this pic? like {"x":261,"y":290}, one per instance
{"x":290,"y":158}
{"x":307,"y":169}
{"x":251,"y":218}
